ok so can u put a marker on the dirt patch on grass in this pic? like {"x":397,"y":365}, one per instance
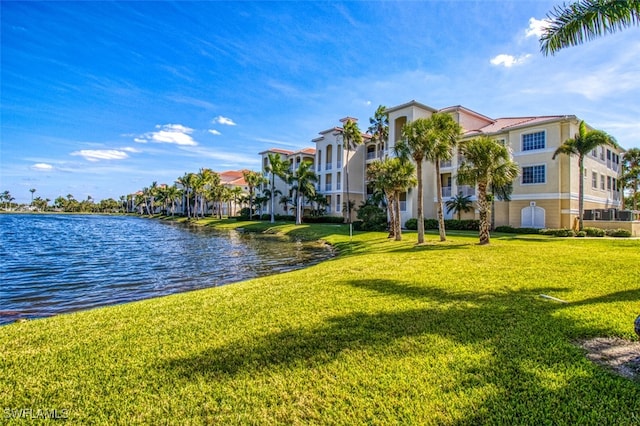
{"x":619,"y":355}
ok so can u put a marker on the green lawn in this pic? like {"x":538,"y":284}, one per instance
{"x":386,"y":333}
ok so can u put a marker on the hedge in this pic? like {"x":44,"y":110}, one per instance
{"x":450,"y":224}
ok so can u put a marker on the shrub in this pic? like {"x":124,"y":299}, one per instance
{"x":511,"y":230}
{"x":449,"y":224}
{"x":618,"y":233}
{"x":594,"y":232}
{"x":373,"y":217}
{"x":357,"y":225}
{"x":322,"y":219}
{"x":562,"y":232}
{"x":581,"y":234}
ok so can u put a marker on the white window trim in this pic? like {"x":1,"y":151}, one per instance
{"x":534,"y":183}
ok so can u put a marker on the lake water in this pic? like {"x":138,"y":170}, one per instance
{"x":50,"y":264}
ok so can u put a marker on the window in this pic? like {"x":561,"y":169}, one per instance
{"x":533,"y":141}
{"x":502,"y":142}
{"x":602,"y":182}
{"x":608,"y":183}
{"x":403,"y":201}
{"x":594,"y":180}
{"x":338,"y":206}
{"x":534,"y":174}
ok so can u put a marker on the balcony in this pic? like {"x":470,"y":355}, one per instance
{"x":371,"y":155}
{"x":328,"y":166}
{"x":338,"y":186}
{"x":327,"y":187}
{"x":445,"y":164}
{"x":467,"y":191}
{"x":339,"y":165}
{"x":446,"y":191}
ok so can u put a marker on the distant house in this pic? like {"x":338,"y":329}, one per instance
{"x":295,"y":159}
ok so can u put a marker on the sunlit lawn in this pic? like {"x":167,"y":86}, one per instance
{"x":385,"y":333}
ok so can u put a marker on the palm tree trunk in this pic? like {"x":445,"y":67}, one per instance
{"x":581,"y":193}
{"x":420,"y":203}
{"x":443,"y":235}
{"x":398,"y":225}
{"x":484,"y":207}
{"x":391,"y":200}
{"x":346,"y":175}
{"x":273,"y":197}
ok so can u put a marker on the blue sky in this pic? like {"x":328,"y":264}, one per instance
{"x":101,"y":99}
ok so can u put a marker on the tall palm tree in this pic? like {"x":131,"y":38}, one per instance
{"x":392,"y":176}
{"x":444,"y":132}
{"x":459,"y":203}
{"x":351,"y":139}
{"x":580,"y":145}
{"x":236,"y":196}
{"x":631,"y":174}
{"x":379,"y":127}
{"x":486,"y":162}
{"x":415,"y":144}
{"x":584,"y":20}
{"x":277,"y":167}
{"x":303,"y":180}
{"x":187,"y":181}
{"x":253,"y":179}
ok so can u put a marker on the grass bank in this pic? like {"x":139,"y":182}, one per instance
{"x":386,"y":333}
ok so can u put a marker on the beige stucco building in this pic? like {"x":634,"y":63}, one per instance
{"x":545,"y":194}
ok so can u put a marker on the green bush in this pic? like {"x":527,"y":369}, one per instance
{"x":511,"y":230}
{"x":594,"y":232}
{"x":322,"y":219}
{"x":562,"y":232}
{"x":449,"y":224}
{"x":373,"y":218}
{"x":618,"y":233}
{"x":581,"y":234}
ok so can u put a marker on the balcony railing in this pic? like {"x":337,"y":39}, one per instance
{"x":446,"y":191}
{"x":327,"y":187}
{"x":338,"y":186}
{"x":371,"y":155}
{"x":328,"y":166}
{"x":339,"y":165}
{"x":403,"y":206}
{"x":445,"y":164}
{"x":467,"y":191}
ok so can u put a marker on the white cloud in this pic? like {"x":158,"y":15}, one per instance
{"x":169,"y":133}
{"x":43,"y":167}
{"x":509,"y":60}
{"x":536,"y":27}
{"x":214,"y":132}
{"x":101,"y":154}
{"x":224,"y":120}
{"x":130,"y":149}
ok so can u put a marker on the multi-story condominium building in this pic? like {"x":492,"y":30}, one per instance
{"x":295,"y":159}
{"x":545,"y":194}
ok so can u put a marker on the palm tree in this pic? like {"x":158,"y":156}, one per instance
{"x":277,"y":167}
{"x":253,"y":179}
{"x":187,"y":181}
{"x":172,"y":195}
{"x":443,"y":136}
{"x":392,"y":176}
{"x":285,"y":201}
{"x":236,"y":196}
{"x":486,"y":162}
{"x":379,"y":127}
{"x":303,"y":181}
{"x":581,"y":144}
{"x":351,"y":139}
{"x":459,"y":203}
{"x":631,"y":174}
{"x":584,"y":20}
{"x":415,"y":144}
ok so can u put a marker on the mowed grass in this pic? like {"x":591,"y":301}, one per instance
{"x":385,"y":333}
